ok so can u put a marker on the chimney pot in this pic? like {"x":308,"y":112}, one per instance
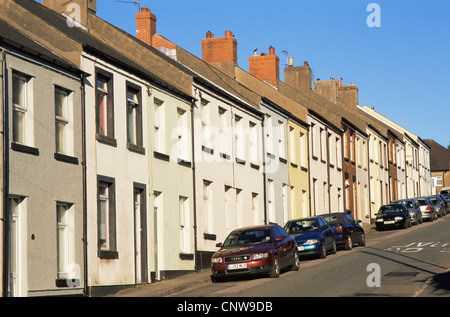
{"x":291,"y":61}
{"x":228,"y":33}
{"x":271,"y":50}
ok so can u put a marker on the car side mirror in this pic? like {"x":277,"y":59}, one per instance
{"x":219,"y":245}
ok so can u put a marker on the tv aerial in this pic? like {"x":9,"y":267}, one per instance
{"x":137,"y":2}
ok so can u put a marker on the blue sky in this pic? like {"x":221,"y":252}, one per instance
{"x":402,"y":67}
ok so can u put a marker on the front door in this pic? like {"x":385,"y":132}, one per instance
{"x":140,"y":223}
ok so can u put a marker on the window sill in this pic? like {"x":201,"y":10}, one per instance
{"x":282,"y":160}
{"x":255,"y":166}
{"x":240,"y":161}
{"x":161,"y":156}
{"x":207,"y":150}
{"x":184,"y":163}
{"x":75,"y":282}
{"x":270,"y":155}
{"x":209,"y":236}
{"x":106,"y":140}
{"x":24,"y":148}
{"x":186,"y":256}
{"x":66,"y":158}
{"x":225,"y":156}
{"x":108,"y":255}
{"x":136,"y":148}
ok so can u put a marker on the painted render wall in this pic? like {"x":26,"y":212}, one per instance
{"x":103,"y":160}
{"x":42,"y":181}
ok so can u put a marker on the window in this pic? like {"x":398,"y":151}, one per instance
{"x":323,"y":146}
{"x":269,"y":128}
{"x":285,"y":199}
{"x":303,"y":150}
{"x":19,"y":107}
{"x":253,"y":143}
{"x":281,"y":143}
{"x":207,"y":206}
{"x":159,"y":126}
{"x":63,"y":122}
{"x":338,"y":153}
{"x":104,"y":107}
{"x":22,"y":125}
{"x":134,"y":117}
{"x":206,"y":122}
{"x":255,"y":208}
{"x":185,"y":226}
{"x":271,"y":200}
{"x":239,"y":139}
{"x":65,"y":241}
{"x":292,"y":147}
{"x":223,"y":131}
{"x":106,"y":218}
{"x":183,"y":135}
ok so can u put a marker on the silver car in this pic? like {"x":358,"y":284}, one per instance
{"x":427,"y":208}
{"x":438,"y":204}
{"x":413,"y":208}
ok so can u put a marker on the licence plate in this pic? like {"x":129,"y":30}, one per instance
{"x":389,"y":222}
{"x":237,"y":266}
{"x":300,"y":248}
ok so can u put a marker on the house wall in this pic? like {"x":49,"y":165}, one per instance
{"x":117,"y":162}
{"x":299,"y":195}
{"x":40,"y":180}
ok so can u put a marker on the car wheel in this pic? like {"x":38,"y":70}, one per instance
{"x":275,"y":268}
{"x":296,"y":265}
{"x":363,"y":240}
{"x":323,"y":254}
{"x":349,"y":243}
{"x":333,"y":249}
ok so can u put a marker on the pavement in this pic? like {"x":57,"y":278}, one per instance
{"x":182,"y":283}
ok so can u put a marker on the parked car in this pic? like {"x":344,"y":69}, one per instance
{"x":427,"y":208}
{"x":393,"y":216}
{"x":413,"y":208}
{"x":445,"y":190}
{"x":314,"y":236}
{"x":256,"y":250}
{"x":347,"y":230}
{"x":438,"y":204}
{"x":446,"y":203}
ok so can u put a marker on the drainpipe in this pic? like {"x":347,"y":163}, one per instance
{"x":264,"y":166}
{"x":83,"y":164}
{"x":6,"y":229}
{"x":194,"y":185}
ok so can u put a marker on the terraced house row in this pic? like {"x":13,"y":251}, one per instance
{"x":127,"y":158}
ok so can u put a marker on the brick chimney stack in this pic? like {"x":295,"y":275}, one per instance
{"x":265,"y":67}
{"x":219,"y":50}
{"x":145,"y":25}
{"x":348,"y":94}
{"x":299,"y":77}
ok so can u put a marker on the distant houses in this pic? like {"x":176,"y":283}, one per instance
{"x":126,"y":159}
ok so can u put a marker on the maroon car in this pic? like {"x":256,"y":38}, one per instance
{"x":258,"y":250}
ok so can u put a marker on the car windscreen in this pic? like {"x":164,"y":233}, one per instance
{"x":246,"y":237}
{"x":434,"y":200}
{"x":407,"y":203}
{"x":336,"y":218}
{"x":390,"y":208}
{"x":422,"y":202}
{"x":303,"y":225}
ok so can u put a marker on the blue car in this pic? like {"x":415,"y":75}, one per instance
{"x":346,"y":229}
{"x":314,"y":236}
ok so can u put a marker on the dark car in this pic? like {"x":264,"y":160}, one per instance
{"x":446,"y":203}
{"x":427,"y":209}
{"x":414,"y":209}
{"x":438,"y":204}
{"x":346,"y":229}
{"x":392,"y":216}
{"x":314,"y":236}
{"x":257,"y":250}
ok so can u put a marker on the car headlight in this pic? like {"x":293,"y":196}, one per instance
{"x":411,"y":213}
{"x":398,"y":218}
{"x":258,"y":256}
{"x":312,"y":241}
{"x":216,"y":260}
{"x":380,"y":220}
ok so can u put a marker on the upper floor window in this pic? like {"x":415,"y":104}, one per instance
{"x":63,"y":122}
{"x":134,"y":117}
{"x":104,"y":106}
{"x":22,"y":125}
